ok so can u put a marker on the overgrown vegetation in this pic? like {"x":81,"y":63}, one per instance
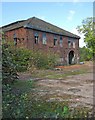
{"x":85,"y":54}
{"x":87,"y":29}
{"x":16,"y":102}
{"x":9,"y":72}
{"x":23,"y":58}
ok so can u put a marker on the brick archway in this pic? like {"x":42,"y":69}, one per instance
{"x":71,"y":57}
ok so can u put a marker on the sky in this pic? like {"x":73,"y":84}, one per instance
{"x":66,"y":15}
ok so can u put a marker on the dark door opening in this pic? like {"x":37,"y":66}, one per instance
{"x":71,"y":56}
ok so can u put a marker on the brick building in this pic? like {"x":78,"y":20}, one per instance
{"x":36,"y":34}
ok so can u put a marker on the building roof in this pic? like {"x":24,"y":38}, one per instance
{"x":38,"y":24}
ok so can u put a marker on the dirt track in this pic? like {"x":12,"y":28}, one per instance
{"x":77,"y":89}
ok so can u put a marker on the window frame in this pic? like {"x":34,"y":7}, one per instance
{"x":55,"y":43}
{"x":36,"y":37}
{"x":61,"y":41}
{"x":44,"y":39}
{"x":15,"y":38}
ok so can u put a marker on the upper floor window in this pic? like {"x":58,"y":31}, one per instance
{"x":36,"y":36}
{"x":15,"y":39}
{"x":73,"y":44}
{"x":61,"y":41}
{"x":44,"y":38}
{"x":69,"y":44}
{"x":55,"y":40}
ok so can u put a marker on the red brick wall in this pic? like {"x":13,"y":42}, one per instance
{"x":28,"y":35}
{"x":21,"y":34}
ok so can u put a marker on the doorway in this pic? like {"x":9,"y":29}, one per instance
{"x":71,"y":57}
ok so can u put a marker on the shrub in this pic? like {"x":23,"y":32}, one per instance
{"x":21,"y":58}
{"x":9,"y":72}
{"x":13,"y":104}
{"x":44,"y":60}
{"x":85,"y":54}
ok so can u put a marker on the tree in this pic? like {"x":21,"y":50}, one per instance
{"x":85,"y":54}
{"x":89,"y":37}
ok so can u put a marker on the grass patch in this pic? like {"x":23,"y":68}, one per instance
{"x":23,"y":85}
{"x":51,"y":74}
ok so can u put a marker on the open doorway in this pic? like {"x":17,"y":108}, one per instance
{"x":71,"y":57}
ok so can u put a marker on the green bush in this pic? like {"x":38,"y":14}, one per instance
{"x":25,"y":59}
{"x":44,"y":60}
{"x":9,"y":72}
{"x":13,"y":103}
{"x":21,"y":58}
{"x":85,"y":54}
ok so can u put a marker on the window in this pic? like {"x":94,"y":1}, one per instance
{"x":36,"y":38}
{"x":15,"y":39}
{"x":55,"y":40}
{"x":69,"y":44}
{"x":61,"y":41}
{"x":73,"y":44}
{"x":44,"y":38}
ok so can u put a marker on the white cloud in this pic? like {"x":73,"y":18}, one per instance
{"x":81,"y":41}
{"x":71,"y":15}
